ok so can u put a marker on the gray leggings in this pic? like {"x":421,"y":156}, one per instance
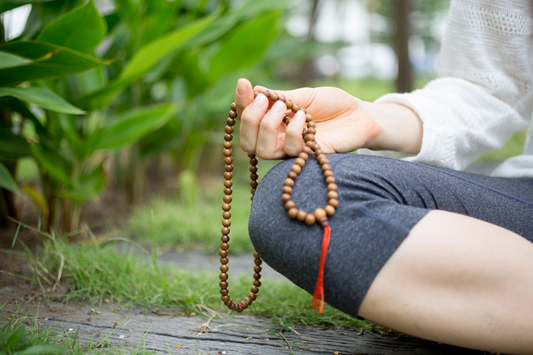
{"x":381,"y":199}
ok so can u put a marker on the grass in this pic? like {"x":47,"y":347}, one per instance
{"x":21,"y":334}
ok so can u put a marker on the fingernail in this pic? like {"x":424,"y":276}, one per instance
{"x":241,"y":88}
{"x":279,"y":106}
{"x":299,"y":116}
{"x":259,"y":101}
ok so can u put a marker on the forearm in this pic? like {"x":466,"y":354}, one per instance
{"x":400,"y":128}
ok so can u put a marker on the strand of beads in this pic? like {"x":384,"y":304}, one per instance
{"x":226,"y":215}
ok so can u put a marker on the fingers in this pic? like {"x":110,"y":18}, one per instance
{"x":293,"y":136}
{"x":251,"y":118}
{"x":244,"y":95}
{"x":270,"y":140}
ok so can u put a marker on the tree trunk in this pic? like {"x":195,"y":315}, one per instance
{"x":305,"y":75}
{"x":404,"y":80}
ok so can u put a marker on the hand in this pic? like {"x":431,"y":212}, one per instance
{"x":344,"y":123}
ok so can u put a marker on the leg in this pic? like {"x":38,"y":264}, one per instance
{"x":458,"y":280}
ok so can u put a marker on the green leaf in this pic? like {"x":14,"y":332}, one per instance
{"x":49,"y":61}
{"x":8,"y":60}
{"x":13,"y":146}
{"x":88,"y":188}
{"x":246,"y":46}
{"x":80,"y":29}
{"x":52,"y":163}
{"x":42,"y":349}
{"x":42,"y":97}
{"x":7,"y":181}
{"x":130,"y":126}
{"x":145,"y":59}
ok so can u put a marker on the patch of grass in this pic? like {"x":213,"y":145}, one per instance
{"x":99,"y":272}
{"x":513,"y":147}
{"x":24,"y":335}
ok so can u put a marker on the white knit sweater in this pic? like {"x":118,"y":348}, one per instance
{"x":484,"y":93}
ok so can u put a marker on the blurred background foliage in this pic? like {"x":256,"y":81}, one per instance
{"x":130,"y":96}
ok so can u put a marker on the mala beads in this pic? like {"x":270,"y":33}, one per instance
{"x":320,"y":215}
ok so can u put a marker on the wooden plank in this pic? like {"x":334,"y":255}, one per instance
{"x":235,"y":334}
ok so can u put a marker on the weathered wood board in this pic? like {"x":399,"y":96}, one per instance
{"x":236,"y":334}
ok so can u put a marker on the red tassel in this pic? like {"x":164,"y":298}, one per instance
{"x":319,"y":288}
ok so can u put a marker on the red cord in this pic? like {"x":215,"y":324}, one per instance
{"x":319,"y":288}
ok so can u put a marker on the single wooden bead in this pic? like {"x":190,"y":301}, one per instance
{"x":310,"y":144}
{"x":332,"y":187}
{"x":319,"y":152}
{"x":243,"y":305}
{"x":255,"y":94}
{"x":226,"y":206}
{"x":223,"y":276}
{"x":251,"y":155}
{"x":254,"y":289}
{"x":334,"y":202}
{"x":331,"y":180}
{"x":248,"y":300}
{"x":257,"y":283}
{"x":308,"y":150}
{"x":252,"y":296}
{"x":311,"y":130}
{"x":225,"y":298}
{"x":228,"y":176}
{"x":258,"y":262}
{"x":230,"y":121}
{"x":224,"y":246}
{"x":228,"y":191}
{"x":289,"y":182}
{"x":228,"y":137}
{"x":225,"y":231}
{"x":311,"y":124}
{"x":227,"y":152}
{"x":303,"y":156}
{"x":309,"y":137}
{"x":254,"y":176}
{"x":328,"y":173}
{"x":232,"y":114}
{"x":257,"y":268}
{"x":286,"y":119}
{"x":226,"y":215}
{"x":224,"y":268}
{"x":266,"y":93}
{"x":317,"y":146}
{"x":228,"y":145}
{"x":274,"y":96}
{"x":228,"y":160}
{"x":295,"y":108}
{"x":223,"y":253}
{"x":304,"y":110}
{"x":229,"y":303}
{"x":286,"y":190}
{"x":226,"y":222}
{"x":320,"y":213}
{"x":288,"y":103}
{"x":238,"y":308}
{"x":300,"y":162}
{"x":310,"y":219}
{"x":228,"y":167}
{"x":254,"y":161}
{"x":333,"y":195}
{"x":308,"y":118}
{"x":326,"y":167}
{"x":330,"y":210}
{"x":293,"y":212}
{"x":285,"y":197}
{"x":225,"y":238}
{"x":301,"y":215}
{"x":290,"y":204}
{"x":228,"y":183}
{"x":292,"y":175}
{"x":223,"y":284}
{"x":296,"y":168}
{"x":229,"y":129}
{"x":254,"y":184}
{"x":253,"y":169}
{"x":252,"y":191}
{"x":234,"y":106}
{"x":224,"y":261}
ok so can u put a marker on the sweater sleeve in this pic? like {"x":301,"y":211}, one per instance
{"x":484,"y":91}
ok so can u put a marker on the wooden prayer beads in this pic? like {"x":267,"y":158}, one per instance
{"x":320,"y":215}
